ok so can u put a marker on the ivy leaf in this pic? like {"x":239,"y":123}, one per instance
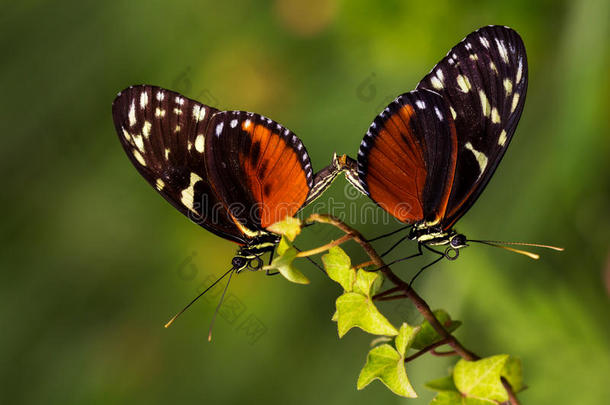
{"x":513,"y":372}
{"x":284,"y":263}
{"x":367,"y":282}
{"x":442,"y":384}
{"x":387,"y":365}
{"x":428,"y":334}
{"x":289,"y":227}
{"x":455,"y":398}
{"x":405,"y":337}
{"x":283,"y":246}
{"x":357,"y":310}
{"x":339,"y":268}
{"x":481,"y":379}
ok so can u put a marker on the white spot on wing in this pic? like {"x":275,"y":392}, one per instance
{"x":139,"y":142}
{"x":233,"y":123}
{"x":198,"y":113}
{"x":177,"y":111}
{"x":146,"y":129}
{"x":167,"y":153}
{"x":160,"y":184}
{"x":463,"y":83}
{"x":143,"y":99}
{"x":515,"y":102}
{"x":437,"y":84}
{"x":160,"y":95}
{"x":493,"y":67}
{"x":502,"y":138}
{"x":219,"y":128}
{"x":480,"y":157}
{"x":484,"y":42}
{"x":502,"y":50}
{"x":495,"y":117}
{"x":420,"y":104}
{"x":453,"y":113}
{"x":126,"y":134}
{"x":438,"y":113}
{"x":519,"y":71}
{"x":132,"y":114}
{"x":159,"y":113}
{"x":485,"y":107}
{"x":187,"y":196}
{"x":199,"y":143}
{"x":508,"y":86}
{"x":139,"y":157}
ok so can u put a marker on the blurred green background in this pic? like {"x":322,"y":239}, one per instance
{"x":94,"y":261}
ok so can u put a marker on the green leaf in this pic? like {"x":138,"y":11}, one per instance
{"x":442,"y":384}
{"x":339,"y":268}
{"x":513,"y":372}
{"x":289,"y":227}
{"x":367,"y":282}
{"x":284,"y":263}
{"x":405,"y":337}
{"x":283,"y":246}
{"x":428,"y":335}
{"x":481,"y":379}
{"x":387,"y":365}
{"x":357,"y":310}
{"x":455,"y":398}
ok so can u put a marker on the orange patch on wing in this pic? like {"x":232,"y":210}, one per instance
{"x":396,"y":172}
{"x":274,"y":174}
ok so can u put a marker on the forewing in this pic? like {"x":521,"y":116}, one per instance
{"x":407,"y":158}
{"x":484,"y":81}
{"x":162,"y":132}
{"x":261,"y":169}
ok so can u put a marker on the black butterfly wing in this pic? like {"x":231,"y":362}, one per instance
{"x":261,"y":169}
{"x":484,"y":81}
{"x":407,"y":158}
{"x":162,"y":132}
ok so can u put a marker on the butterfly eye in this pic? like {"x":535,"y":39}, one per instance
{"x":458,"y":241}
{"x":239,"y":263}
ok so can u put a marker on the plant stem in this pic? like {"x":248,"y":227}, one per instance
{"x":425,"y":350}
{"x":324,"y":248}
{"x":421,"y":305}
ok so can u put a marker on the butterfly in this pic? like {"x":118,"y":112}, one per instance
{"x":430,"y":153}
{"x":234,"y":173}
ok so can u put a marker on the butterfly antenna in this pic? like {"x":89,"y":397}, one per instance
{"x":219,"y":305}
{"x":312,"y":261}
{"x":168,"y":324}
{"x":501,"y":244}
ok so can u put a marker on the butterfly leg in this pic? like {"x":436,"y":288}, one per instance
{"x":385,"y":235}
{"x":267,"y":272}
{"x":438,"y":259}
{"x":395,"y":245}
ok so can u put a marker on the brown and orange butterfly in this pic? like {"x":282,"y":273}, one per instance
{"x":428,"y":156}
{"x":232,"y":172}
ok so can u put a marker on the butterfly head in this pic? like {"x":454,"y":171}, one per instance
{"x":249,"y":256}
